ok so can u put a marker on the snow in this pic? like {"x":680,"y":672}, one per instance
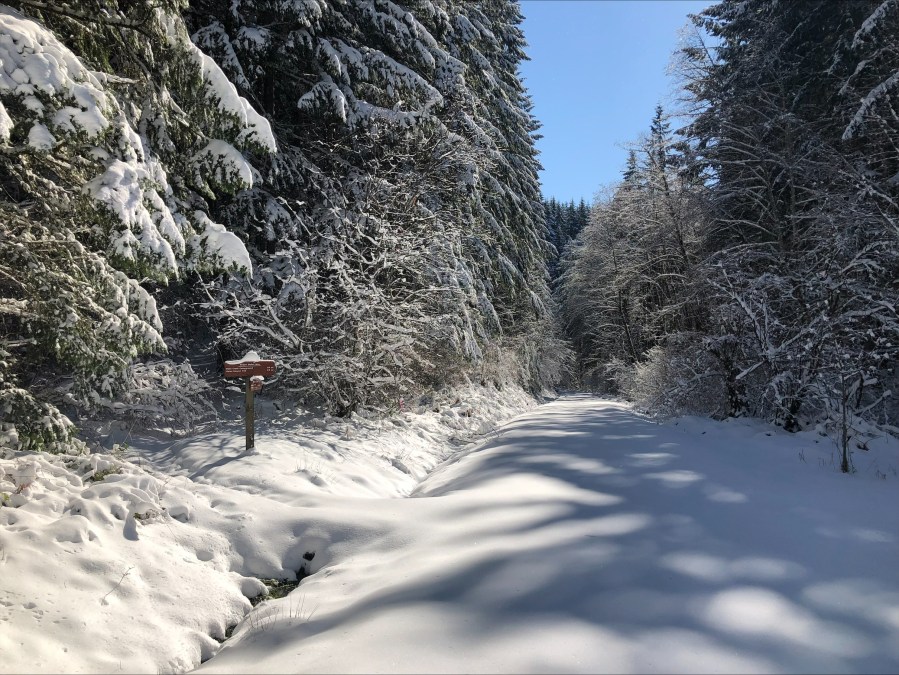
{"x":580,"y":537}
{"x":257,"y":127}
{"x":6,"y":125}
{"x":214,"y":35}
{"x":40,"y":138}
{"x":224,"y":247}
{"x":249,"y":356}
{"x":225,"y":163}
{"x":74,"y":119}
{"x":873,"y":97}
{"x":325,"y":94}
{"x":124,"y":188}
{"x":33,"y":61}
{"x":873,"y":22}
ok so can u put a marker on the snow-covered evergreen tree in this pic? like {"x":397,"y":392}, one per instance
{"x":563,"y":223}
{"x":389,"y":255}
{"x":392,"y":239}
{"x":509,"y":238}
{"x":115,"y":133}
{"x":627,"y":282}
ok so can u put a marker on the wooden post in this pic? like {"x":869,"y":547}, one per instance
{"x":251,"y":417}
{"x":249,"y":367}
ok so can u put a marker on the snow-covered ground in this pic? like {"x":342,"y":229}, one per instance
{"x":579,"y":537}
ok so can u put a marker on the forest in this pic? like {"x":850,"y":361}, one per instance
{"x":501,"y":430}
{"x":746,"y":264}
{"x":351,"y":189}
{"x":348,"y":188}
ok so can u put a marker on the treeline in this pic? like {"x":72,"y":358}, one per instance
{"x":349,"y":188}
{"x":563,"y":223}
{"x":748,"y":264}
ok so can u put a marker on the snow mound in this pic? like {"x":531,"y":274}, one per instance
{"x":580,"y":537}
{"x":142,"y":571}
{"x":115,"y":565}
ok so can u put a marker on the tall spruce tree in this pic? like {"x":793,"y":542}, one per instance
{"x":399,"y":232}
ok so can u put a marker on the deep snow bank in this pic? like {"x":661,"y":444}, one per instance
{"x":141,"y":561}
{"x":578,"y":538}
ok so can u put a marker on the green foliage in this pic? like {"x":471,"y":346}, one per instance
{"x":399,"y":234}
{"x":104,"y":181}
{"x":392,"y":241}
{"x":563,"y":224}
{"x":97,"y":476}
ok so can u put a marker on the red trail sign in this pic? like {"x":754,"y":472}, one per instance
{"x":248,"y":367}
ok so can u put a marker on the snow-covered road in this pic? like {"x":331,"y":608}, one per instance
{"x":586,"y":538}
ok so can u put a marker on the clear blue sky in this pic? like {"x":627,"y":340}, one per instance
{"x":597,"y":71}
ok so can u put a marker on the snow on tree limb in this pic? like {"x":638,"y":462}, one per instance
{"x":875,"y":96}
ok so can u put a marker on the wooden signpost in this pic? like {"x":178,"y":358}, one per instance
{"x":254,"y":370}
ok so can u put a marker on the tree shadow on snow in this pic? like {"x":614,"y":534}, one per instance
{"x":657,"y":537}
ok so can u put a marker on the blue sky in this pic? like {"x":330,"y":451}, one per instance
{"x":597,"y":71}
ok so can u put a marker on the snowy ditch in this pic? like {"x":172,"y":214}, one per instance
{"x":150,"y":558}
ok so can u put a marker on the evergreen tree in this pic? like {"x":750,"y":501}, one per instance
{"x":563,"y":223}
{"x":627,"y":285}
{"x":408,"y":235}
{"x":113,"y":139}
